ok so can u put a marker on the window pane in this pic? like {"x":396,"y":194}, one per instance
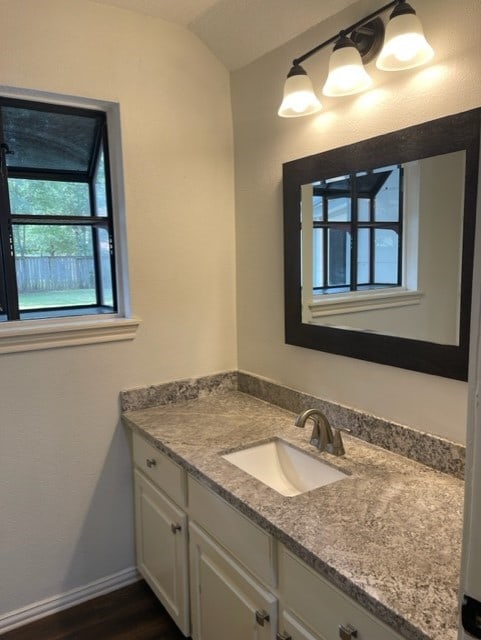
{"x":105,"y":280}
{"x":386,"y":256}
{"x":386,"y":204}
{"x":49,"y":140}
{"x":317,"y":259}
{"x":54,"y":266}
{"x":317,"y":208}
{"x":339,"y":209}
{"x":46,"y":197}
{"x":100,"y":188}
{"x":339,"y":257}
{"x":363,"y":210}
{"x":363,"y":252}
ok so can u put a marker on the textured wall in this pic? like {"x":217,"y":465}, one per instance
{"x":264,"y":141}
{"x":65,"y":497}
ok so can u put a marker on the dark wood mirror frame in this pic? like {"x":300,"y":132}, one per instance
{"x":445,"y":135}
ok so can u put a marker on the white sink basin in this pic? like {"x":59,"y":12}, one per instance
{"x":284,"y":468}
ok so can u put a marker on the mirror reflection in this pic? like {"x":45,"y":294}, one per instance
{"x":382,"y":249}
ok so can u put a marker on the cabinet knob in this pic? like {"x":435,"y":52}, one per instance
{"x":261,"y":617}
{"x":151,"y":462}
{"x":347,"y":632}
{"x":283,"y":636}
{"x":174,"y":527}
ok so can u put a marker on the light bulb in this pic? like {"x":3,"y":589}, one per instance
{"x":347,"y":77}
{"x":300,"y":101}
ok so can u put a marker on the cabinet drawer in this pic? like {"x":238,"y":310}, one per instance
{"x":322,"y":607}
{"x":165,"y":473}
{"x":250,"y":544}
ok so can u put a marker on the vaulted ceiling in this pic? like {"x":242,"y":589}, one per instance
{"x":239,"y":31}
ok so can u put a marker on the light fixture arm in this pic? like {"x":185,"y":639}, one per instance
{"x":349,"y":29}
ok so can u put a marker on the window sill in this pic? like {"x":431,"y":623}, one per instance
{"x":356,"y":301}
{"x":34,"y":335}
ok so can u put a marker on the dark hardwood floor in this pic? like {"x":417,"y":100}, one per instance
{"x":131,"y":613}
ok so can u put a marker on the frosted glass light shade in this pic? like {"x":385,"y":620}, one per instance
{"x":405,"y":45}
{"x":299,"y":97}
{"x":347,"y":74}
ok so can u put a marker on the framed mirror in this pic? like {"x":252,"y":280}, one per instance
{"x":378,"y":247}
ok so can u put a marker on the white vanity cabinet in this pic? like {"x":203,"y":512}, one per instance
{"x":161,"y":529}
{"x":243,"y":584}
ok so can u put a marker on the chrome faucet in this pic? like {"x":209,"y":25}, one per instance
{"x":322,"y":437}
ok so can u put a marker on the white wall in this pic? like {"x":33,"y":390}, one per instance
{"x":65,"y":485}
{"x":264,"y":141}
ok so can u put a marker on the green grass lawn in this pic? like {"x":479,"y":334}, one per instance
{"x":44,"y":299}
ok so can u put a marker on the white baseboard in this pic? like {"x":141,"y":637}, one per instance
{"x":43,"y":608}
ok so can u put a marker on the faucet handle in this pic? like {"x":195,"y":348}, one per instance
{"x":337,"y":446}
{"x":315,"y":438}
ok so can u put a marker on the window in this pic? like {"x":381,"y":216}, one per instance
{"x":56,"y":228}
{"x":357,"y":231}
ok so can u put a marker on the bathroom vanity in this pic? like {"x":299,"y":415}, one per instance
{"x":373,"y":556}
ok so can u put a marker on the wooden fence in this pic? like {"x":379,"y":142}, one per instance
{"x":57,"y":273}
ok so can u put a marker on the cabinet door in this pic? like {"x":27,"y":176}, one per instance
{"x":226,"y":601}
{"x":162,"y":549}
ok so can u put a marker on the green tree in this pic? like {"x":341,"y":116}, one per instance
{"x":46,"y":197}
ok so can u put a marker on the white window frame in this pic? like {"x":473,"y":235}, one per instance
{"x":49,"y":333}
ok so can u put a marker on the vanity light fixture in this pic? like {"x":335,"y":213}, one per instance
{"x":405,"y":47}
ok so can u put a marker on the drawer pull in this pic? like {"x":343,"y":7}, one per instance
{"x":151,"y":462}
{"x":347,"y":632}
{"x":174,"y":527}
{"x":283,"y":636}
{"x":261,"y":617}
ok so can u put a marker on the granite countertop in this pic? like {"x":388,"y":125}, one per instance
{"x":389,"y":535}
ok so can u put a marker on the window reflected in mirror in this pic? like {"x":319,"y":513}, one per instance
{"x":356,"y":230}
{"x":381,"y":249}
